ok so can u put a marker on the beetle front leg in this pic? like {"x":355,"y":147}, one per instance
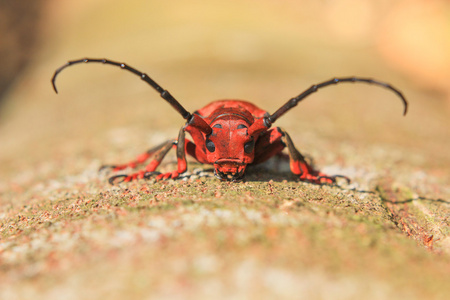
{"x":181,"y":158}
{"x":156,"y":151}
{"x":159,"y":152}
{"x":300,"y":167}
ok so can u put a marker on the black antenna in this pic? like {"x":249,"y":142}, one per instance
{"x":164,"y":94}
{"x":294,"y":101}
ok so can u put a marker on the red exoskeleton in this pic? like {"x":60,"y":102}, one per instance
{"x":229,"y":134}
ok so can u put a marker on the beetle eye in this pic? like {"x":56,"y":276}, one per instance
{"x":210,"y":146}
{"x":249,"y":146}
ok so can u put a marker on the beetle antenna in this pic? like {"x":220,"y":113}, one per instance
{"x":164,"y":93}
{"x":294,"y":101}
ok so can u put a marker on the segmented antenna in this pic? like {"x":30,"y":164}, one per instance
{"x":294,"y":101}
{"x":164,"y":93}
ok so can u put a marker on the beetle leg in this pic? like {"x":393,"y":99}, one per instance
{"x":268,"y":145}
{"x":113,"y":179}
{"x":300,"y":167}
{"x":159,"y":152}
{"x":181,"y":159}
{"x":182,"y":145}
{"x":156,"y":151}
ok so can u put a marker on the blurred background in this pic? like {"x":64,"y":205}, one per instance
{"x":264,"y":51}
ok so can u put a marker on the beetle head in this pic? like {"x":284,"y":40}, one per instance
{"x":229,"y":147}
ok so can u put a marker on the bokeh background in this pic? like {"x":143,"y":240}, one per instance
{"x":263,"y":51}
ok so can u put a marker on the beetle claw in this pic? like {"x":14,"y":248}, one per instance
{"x":112,"y":179}
{"x":333,"y":179}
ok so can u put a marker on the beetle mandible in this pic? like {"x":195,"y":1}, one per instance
{"x":229,"y":134}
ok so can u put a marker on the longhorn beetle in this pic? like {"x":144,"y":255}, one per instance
{"x":229,"y":134}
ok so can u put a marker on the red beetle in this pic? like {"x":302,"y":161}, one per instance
{"x":229,"y":134}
